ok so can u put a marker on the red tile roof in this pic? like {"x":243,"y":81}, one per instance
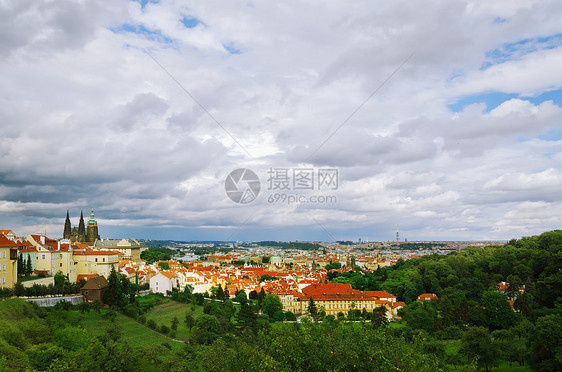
{"x":7,"y":243}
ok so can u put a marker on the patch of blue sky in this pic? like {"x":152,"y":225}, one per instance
{"x":509,"y":51}
{"x":144,"y":2}
{"x":191,"y":22}
{"x":552,"y":135}
{"x":494,"y":99}
{"x":231,"y":49}
{"x":142,"y":30}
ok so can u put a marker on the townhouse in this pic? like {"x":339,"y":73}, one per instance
{"x":8,"y":262}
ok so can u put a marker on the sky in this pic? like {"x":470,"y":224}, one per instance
{"x":441,"y":119}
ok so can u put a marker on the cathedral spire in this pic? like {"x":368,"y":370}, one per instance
{"x":67,"y":227}
{"x":81,"y":228}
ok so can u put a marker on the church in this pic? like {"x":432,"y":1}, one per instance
{"x":81,"y":233}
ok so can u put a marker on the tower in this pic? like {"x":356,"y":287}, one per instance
{"x":92,"y":233}
{"x":81,"y":229}
{"x":67,"y":227}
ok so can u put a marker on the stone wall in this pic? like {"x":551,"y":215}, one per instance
{"x":52,"y":301}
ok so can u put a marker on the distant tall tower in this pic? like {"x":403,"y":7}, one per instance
{"x":81,"y":229}
{"x":397,"y":236}
{"x":92,"y":233}
{"x":67,"y":227}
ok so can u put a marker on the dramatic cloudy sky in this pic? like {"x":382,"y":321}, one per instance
{"x":442,"y":118}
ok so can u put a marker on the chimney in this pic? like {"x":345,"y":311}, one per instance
{"x":42,"y":239}
{"x":58,"y":245}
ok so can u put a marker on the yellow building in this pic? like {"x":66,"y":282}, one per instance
{"x":130,"y":248}
{"x":91,"y":262}
{"x":290,"y":300}
{"x":334,"y":298}
{"x":8,"y":262}
{"x":52,"y":256}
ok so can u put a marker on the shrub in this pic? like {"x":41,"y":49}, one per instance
{"x":151,"y":323}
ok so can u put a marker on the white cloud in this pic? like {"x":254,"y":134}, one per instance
{"x":94,"y":114}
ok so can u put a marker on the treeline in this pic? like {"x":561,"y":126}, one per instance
{"x":305,"y":246}
{"x":41,"y":339}
{"x":414,"y":246}
{"x":153,"y":254}
{"x":61,"y":286}
{"x":472,"y":309}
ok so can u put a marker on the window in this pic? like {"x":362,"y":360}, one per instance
{"x":4,"y":254}
{"x":42,"y":256}
{"x":4,"y":267}
{"x":60,"y":264}
{"x":96,"y":260}
{"x":104,"y":259}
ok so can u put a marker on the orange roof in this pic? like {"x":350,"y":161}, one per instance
{"x":168,"y":274}
{"x":7,"y":243}
{"x":334,"y":288}
{"x":380,"y":294}
{"x":427,"y":296}
{"x":93,"y":252}
{"x":86,"y":276}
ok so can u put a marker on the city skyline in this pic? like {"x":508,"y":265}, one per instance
{"x":355,"y":120}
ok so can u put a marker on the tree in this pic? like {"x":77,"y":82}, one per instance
{"x":19,"y":289}
{"x":175,"y":323}
{"x":333,"y":266}
{"x":545,"y":341}
{"x":271,"y":304}
{"x":378,"y":317}
{"x":20,"y":266}
{"x":220,"y":293}
{"x":246,"y":318}
{"x":514,"y":284}
{"x":476,"y":343}
{"x":112,"y":294}
{"x":241,"y":297}
{"x":266,"y":277}
{"x":260,"y":298}
{"x":189,"y":320}
{"x":497,"y":312}
{"x":206,"y":329}
{"x":312,"y":309}
{"x":29,"y":267}
{"x":164,"y":265}
{"x":60,"y":279}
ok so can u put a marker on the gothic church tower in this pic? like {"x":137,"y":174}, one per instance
{"x":67,"y":227}
{"x":92,"y":233}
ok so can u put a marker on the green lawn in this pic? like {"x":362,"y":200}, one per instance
{"x":134,"y":333}
{"x":28,"y":278}
{"x":397,"y":324}
{"x":165,"y":313}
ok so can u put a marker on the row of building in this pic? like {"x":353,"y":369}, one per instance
{"x":76,"y":260}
